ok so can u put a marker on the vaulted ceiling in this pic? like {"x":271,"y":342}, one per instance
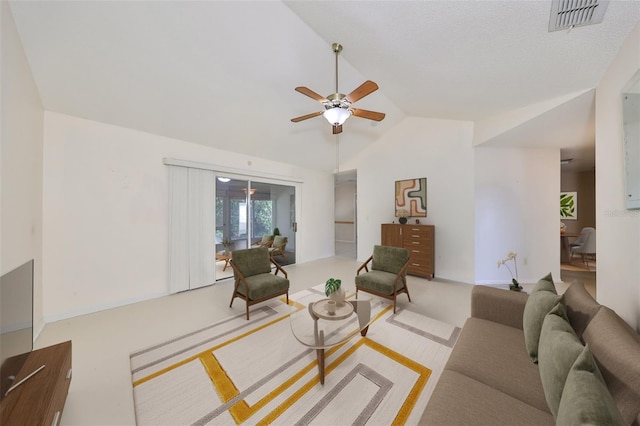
{"x":222,"y":73}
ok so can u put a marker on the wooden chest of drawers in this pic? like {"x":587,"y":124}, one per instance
{"x":40,"y":399}
{"x":419,"y":240}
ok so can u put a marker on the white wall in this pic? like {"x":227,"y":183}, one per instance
{"x":516,"y":204}
{"x":22,"y":139}
{"x":106,"y":214}
{"x":441,"y":151}
{"x":618,"y":242}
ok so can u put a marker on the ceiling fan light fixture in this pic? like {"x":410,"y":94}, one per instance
{"x":336,"y":116}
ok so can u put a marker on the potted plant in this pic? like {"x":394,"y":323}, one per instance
{"x":515,"y":285}
{"x":276,"y":231}
{"x":226,"y":243}
{"x":334,"y":291}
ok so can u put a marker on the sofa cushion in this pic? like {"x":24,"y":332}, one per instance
{"x":616,"y":348}
{"x":494,"y":354}
{"x":581,"y":307}
{"x":586,"y":399}
{"x":559,"y":347}
{"x":460,"y":400}
{"x":542,"y":299}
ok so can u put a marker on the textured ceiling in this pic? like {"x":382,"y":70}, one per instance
{"x":222,"y":74}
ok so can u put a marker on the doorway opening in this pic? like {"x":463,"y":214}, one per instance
{"x":345,"y":215}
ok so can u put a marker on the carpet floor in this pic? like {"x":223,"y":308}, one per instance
{"x":255,"y":372}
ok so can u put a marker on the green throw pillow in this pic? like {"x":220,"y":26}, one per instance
{"x":542,"y":299}
{"x":586,"y":399}
{"x":558,"y":349}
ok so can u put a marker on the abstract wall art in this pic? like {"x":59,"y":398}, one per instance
{"x":411,"y":197}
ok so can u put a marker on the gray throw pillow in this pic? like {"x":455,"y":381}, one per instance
{"x":558,"y":349}
{"x":542,"y":299}
{"x":586,"y":399}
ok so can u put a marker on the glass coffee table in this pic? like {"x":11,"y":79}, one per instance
{"x":316,"y":328}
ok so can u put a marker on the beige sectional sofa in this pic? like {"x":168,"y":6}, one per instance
{"x":491,"y":378}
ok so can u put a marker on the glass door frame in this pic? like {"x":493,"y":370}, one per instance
{"x":256,"y":181}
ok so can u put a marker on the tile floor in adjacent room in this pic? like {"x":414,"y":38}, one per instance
{"x":101,"y":392}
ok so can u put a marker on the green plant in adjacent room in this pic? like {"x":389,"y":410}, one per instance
{"x":226,"y":243}
{"x":276,"y":231}
{"x":332,"y":285}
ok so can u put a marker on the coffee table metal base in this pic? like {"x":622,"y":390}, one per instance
{"x":361,"y":307}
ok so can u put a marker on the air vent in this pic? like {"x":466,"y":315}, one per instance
{"x":567,"y":14}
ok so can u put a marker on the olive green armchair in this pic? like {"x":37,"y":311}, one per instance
{"x":388,"y":275}
{"x":266,"y":241}
{"x":254,"y":281}
{"x":278,"y":246}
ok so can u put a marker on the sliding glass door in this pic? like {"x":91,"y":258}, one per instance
{"x":246,"y":210}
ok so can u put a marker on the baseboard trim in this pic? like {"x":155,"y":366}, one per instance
{"x":66,"y":315}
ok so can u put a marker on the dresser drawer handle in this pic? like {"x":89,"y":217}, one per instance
{"x":69,"y":374}
{"x":415,"y":242}
{"x":415,"y":264}
{"x":56,"y":418}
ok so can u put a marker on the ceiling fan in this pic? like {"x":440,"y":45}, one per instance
{"x":337,"y":106}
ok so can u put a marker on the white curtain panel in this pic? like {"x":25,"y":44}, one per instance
{"x":202,"y":231}
{"x":191,"y":228}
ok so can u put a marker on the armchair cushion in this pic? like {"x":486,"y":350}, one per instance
{"x":264,"y":285}
{"x":380,"y":281}
{"x":389,"y":259}
{"x":252,"y":261}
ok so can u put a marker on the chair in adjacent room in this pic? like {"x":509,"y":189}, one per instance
{"x":584,"y":234}
{"x":278,"y":246}
{"x":266,"y":241}
{"x":254,"y":281}
{"x":586,"y":250}
{"x":388,"y":275}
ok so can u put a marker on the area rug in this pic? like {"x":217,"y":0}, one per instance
{"x":255,"y":372}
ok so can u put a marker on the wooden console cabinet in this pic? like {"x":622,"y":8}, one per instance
{"x":419,"y":240}
{"x":40,"y":399}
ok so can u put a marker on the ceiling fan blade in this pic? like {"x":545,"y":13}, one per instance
{"x":370,"y":115}
{"x":305,"y":117}
{"x":337,"y":129}
{"x":361,"y":91}
{"x":310,"y":93}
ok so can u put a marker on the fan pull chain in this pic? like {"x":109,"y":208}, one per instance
{"x":337,"y":154}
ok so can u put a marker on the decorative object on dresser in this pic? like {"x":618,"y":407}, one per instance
{"x":411,"y":198}
{"x":419,"y":240}
{"x":39,"y":399}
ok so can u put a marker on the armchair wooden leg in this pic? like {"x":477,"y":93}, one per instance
{"x":247,"y":311}
{"x":407,"y":290}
